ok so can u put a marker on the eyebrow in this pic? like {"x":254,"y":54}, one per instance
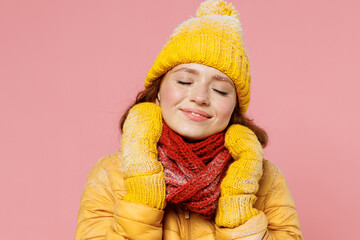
{"x":195,"y":72}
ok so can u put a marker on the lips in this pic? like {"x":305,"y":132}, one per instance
{"x":196,"y":114}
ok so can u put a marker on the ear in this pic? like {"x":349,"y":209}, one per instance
{"x":157,"y":100}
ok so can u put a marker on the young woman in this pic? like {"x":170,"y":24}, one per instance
{"x":191,"y":164}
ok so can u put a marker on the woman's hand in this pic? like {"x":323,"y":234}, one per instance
{"x":240,"y":184}
{"x":143,"y":173}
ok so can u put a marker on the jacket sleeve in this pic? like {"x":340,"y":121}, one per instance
{"x":283,"y":222}
{"x":253,"y":229}
{"x":103,"y":213}
{"x":277,"y":221}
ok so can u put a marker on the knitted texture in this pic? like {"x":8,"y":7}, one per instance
{"x":143,"y":173}
{"x":213,"y":38}
{"x":240,"y":184}
{"x":193,"y":171}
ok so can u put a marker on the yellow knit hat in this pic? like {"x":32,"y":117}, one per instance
{"x":213,"y":38}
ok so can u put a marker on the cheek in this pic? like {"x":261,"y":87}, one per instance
{"x":225,"y":110}
{"x":170,"y":96}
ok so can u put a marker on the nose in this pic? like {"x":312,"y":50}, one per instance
{"x":200,"y":95}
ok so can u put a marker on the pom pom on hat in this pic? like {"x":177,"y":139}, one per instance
{"x":216,"y":7}
{"x":213,"y":38}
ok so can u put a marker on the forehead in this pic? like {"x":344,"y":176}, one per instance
{"x":195,"y":67}
{"x":198,"y":69}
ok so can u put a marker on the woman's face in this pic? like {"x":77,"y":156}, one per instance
{"x":196,"y":100}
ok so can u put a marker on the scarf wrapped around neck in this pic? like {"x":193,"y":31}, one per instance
{"x":193,"y":171}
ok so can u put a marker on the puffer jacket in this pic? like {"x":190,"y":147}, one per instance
{"x":103,"y":213}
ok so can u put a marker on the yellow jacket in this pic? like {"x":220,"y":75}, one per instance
{"x":104,"y":214}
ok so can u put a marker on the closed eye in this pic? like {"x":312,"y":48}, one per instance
{"x":220,"y":92}
{"x":184,"y":83}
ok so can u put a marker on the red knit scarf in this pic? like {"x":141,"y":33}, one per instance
{"x":193,"y":171}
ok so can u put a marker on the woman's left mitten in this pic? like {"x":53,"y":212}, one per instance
{"x":239,"y":186}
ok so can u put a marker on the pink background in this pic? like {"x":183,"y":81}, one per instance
{"x":69,"y":68}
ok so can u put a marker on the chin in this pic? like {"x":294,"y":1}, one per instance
{"x":193,"y":135}
{"x":193,"y":139}
{"x":191,"y":132}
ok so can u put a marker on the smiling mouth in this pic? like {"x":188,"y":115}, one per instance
{"x":197,"y":114}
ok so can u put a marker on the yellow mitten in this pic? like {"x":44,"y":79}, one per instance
{"x":240,"y":184}
{"x":143,"y":173}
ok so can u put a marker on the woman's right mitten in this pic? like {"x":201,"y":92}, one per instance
{"x":143,"y":173}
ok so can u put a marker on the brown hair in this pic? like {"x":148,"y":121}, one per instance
{"x":150,"y":94}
